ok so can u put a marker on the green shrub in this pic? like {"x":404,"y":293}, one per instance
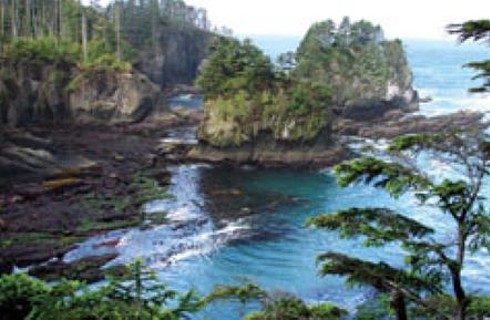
{"x":292,"y":308}
{"x":135,"y":295}
{"x":235,"y":66}
{"x":105,"y":62}
{"x":18,"y":293}
{"x":479,"y":307}
{"x":275,"y":307}
{"x":43,"y":49}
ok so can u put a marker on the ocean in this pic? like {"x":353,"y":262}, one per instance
{"x":230,"y":226}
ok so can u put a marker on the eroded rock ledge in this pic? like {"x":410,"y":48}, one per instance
{"x":326,"y":151}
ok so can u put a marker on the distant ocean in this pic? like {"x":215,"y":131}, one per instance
{"x":437,"y":68}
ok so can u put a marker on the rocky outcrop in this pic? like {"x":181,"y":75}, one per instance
{"x":347,"y":72}
{"x":58,"y":92}
{"x":367,"y":74}
{"x":33,"y":92}
{"x":23,"y":154}
{"x":115,"y":96}
{"x":395,"y":123}
{"x":177,"y":56}
{"x":271,"y":156}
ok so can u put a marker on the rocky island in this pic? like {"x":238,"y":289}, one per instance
{"x":258,"y":112}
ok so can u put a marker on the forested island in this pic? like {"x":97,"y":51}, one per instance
{"x":89,"y":143}
{"x":256,"y":111}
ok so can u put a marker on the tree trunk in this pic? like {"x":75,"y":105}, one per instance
{"x":84,"y":36}
{"x":13,"y":21}
{"x":60,"y":19}
{"x":397,"y":303}
{"x":117,"y":22}
{"x":27,"y":19}
{"x":2,"y":18}
{"x":155,"y":16}
{"x":455,"y":269}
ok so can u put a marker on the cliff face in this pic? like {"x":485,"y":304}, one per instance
{"x":57,"y":92}
{"x":33,"y":92}
{"x":114,"y":96}
{"x":369,"y":89}
{"x":177,"y":56}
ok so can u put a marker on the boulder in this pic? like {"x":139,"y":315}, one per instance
{"x":114,"y":96}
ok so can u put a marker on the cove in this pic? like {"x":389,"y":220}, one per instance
{"x":232,"y":225}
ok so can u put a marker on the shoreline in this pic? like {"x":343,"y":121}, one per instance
{"x":38,"y":223}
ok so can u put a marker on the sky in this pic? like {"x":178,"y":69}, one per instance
{"x":405,"y":19}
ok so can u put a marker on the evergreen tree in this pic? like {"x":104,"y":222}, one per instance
{"x":429,"y":260}
{"x":280,"y":306}
{"x":476,"y":30}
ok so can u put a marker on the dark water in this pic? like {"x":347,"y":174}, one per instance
{"x":233,"y":225}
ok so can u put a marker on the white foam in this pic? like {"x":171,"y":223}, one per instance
{"x":188,"y":231}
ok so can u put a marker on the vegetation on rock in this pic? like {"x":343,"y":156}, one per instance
{"x":354,"y":61}
{"x":246,"y":96}
{"x":84,"y":43}
{"x":334,"y":67}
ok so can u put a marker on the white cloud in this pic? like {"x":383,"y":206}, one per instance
{"x":421,"y":19}
{"x":424,"y":19}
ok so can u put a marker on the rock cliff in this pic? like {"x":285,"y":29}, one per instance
{"x":58,"y":92}
{"x":177,"y":56}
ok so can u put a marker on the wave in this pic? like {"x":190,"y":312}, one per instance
{"x":188,"y":231}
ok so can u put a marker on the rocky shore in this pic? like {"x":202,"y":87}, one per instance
{"x":62,"y":184}
{"x":85,"y":180}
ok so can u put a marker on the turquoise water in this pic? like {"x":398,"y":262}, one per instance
{"x":228,"y":225}
{"x":278,"y":252}
{"x":274,"y":249}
